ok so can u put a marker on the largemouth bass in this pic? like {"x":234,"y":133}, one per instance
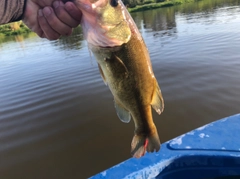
{"x":125,"y":66}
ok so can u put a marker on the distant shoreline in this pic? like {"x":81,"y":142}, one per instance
{"x":154,"y":5}
{"x":17,"y":28}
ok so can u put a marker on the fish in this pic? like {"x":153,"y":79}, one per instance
{"x":124,"y":64}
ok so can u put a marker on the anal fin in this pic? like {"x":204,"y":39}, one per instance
{"x":157,"y":99}
{"x":123,"y":114}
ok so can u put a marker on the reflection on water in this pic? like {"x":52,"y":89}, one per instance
{"x":57,"y":118}
{"x":64,"y":43}
{"x":157,"y":20}
{"x":72,"y":42}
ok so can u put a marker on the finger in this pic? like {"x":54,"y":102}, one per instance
{"x":55,"y":23}
{"x":30,"y":18}
{"x":48,"y":32}
{"x":34,"y":27}
{"x":40,"y":33}
{"x":43,"y":36}
{"x":63,"y":15}
{"x":73,"y":11}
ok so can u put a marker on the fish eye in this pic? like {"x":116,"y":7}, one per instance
{"x":114,"y":3}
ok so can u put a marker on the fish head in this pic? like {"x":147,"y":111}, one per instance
{"x":105,"y":23}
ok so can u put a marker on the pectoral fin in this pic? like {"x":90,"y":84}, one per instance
{"x":157,"y":99}
{"x":102,"y":74}
{"x":121,"y":66}
{"x":122,"y":113}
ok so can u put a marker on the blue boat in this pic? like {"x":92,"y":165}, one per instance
{"x":210,"y":151}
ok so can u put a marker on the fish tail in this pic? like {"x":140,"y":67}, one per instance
{"x":142,"y":143}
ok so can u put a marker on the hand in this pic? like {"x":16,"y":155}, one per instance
{"x":50,"y":18}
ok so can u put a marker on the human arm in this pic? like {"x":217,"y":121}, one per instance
{"x":11,"y":10}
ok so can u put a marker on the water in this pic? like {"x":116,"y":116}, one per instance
{"x":57,"y":118}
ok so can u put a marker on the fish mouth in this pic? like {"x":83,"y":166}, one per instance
{"x":90,"y":5}
{"x":93,"y":1}
{"x":104,"y":22}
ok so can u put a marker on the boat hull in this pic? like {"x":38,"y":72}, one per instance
{"x":210,"y":151}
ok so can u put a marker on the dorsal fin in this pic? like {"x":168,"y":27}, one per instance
{"x":157,"y":99}
{"x":122,"y":113}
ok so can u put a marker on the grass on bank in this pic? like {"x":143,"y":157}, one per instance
{"x":14,"y":28}
{"x":154,"y":5}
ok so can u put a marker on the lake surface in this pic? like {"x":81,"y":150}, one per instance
{"x":57,"y":118}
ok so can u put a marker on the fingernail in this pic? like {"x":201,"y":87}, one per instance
{"x":56,"y":4}
{"x":47,"y":11}
{"x":69,"y":6}
{"x":61,"y":3}
{"x":40,"y":13}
